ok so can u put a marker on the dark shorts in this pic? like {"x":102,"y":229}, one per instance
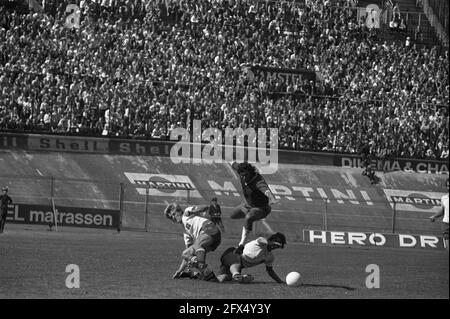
{"x":445,"y":232}
{"x":209,"y":238}
{"x":251,"y":214}
{"x":3,"y":213}
{"x":228,"y":258}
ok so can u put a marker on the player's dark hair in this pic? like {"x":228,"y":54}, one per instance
{"x":168,"y":210}
{"x":279,"y":238}
{"x":246,"y":168}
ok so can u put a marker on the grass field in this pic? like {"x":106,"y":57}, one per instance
{"x":140,"y":265}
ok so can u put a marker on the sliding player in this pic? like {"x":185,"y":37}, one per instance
{"x":200,"y":236}
{"x":258,"y":198}
{"x":256,"y":252}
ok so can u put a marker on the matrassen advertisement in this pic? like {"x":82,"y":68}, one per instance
{"x":372,"y":239}
{"x":65,"y":216}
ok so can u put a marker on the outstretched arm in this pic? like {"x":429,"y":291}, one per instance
{"x":271,"y":197}
{"x":264,"y":188}
{"x":274,"y":275}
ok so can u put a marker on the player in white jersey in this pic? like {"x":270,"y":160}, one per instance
{"x":200,"y":237}
{"x":256,"y":252}
{"x":443,"y":211}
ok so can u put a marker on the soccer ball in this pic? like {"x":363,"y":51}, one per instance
{"x":293,"y":279}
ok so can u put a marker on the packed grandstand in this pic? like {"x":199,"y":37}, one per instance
{"x":141,"y":68}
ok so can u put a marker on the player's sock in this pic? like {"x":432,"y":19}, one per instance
{"x":201,"y":256}
{"x":244,"y":236}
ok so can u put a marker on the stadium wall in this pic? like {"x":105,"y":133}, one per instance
{"x":99,"y":145}
{"x":92,"y":173}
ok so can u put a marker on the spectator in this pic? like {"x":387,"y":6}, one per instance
{"x":139,"y":69}
{"x":402,"y":27}
{"x":418,"y":36}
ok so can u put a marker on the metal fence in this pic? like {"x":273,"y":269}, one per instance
{"x":142,"y":210}
{"x":437,"y":12}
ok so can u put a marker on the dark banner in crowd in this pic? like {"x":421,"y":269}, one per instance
{"x":65,"y":216}
{"x":372,"y":239}
{"x":398,"y":164}
{"x":265,"y":73}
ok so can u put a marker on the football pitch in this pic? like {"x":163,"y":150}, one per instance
{"x":33,"y":264}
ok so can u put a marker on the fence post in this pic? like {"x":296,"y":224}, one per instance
{"x":120,"y":207}
{"x":146,"y":208}
{"x":393,"y":217}
{"x":51,"y":187}
{"x":52,"y":202}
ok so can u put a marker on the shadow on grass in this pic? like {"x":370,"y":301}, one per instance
{"x":302,"y":285}
{"x":328,"y":286}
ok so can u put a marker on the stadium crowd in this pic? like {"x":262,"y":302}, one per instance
{"x":140,"y":68}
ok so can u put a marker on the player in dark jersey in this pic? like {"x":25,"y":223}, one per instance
{"x":258,"y":198}
{"x":215,"y":214}
{"x":5,"y":200}
{"x":366,"y":153}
